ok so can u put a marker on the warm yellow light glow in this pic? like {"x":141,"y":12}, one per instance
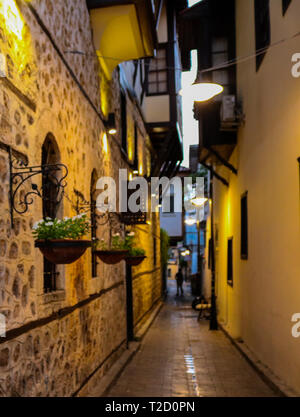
{"x":148,"y":222}
{"x":104,"y":94}
{"x":12,"y":17}
{"x":130,"y":176}
{"x":199,"y":201}
{"x":112,"y":131}
{"x":203,"y":91}
{"x":190,"y":222}
{"x":105,"y":143}
{"x":130,"y":149}
{"x":141,"y":170}
{"x":117,"y":35}
{"x":135,"y":172}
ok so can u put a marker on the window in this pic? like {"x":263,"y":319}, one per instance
{"x":136,"y":149}
{"x":285,"y":5}
{"x":172,"y":203}
{"x":50,"y":155}
{"x":93,"y":220}
{"x":158,"y":74}
{"x":124,"y":122}
{"x":244,"y":226}
{"x":262,"y":29}
{"x":230,"y":261}
{"x":219,"y":57}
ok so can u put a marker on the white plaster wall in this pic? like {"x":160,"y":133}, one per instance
{"x":266,"y":287}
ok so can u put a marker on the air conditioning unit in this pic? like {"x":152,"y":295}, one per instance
{"x":228,"y":108}
{"x":230,"y":113}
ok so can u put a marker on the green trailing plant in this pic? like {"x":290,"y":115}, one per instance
{"x":164,"y":247}
{"x":136,"y":252}
{"x":130,"y":246}
{"x":68,"y":228}
{"x":117,"y":244}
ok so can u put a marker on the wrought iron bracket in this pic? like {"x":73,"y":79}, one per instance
{"x":101,"y":218}
{"x":21,"y":173}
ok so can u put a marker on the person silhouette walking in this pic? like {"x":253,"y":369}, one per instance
{"x":179,"y":281}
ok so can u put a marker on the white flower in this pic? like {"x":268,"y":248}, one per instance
{"x":49,"y":224}
{"x":35,"y":226}
{"x":66,"y":218}
{"x":131,"y":234}
{"x":116,"y":234}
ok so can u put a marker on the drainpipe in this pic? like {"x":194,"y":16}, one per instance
{"x":213,"y":323}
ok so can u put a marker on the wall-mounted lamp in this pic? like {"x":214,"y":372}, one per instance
{"x":202,"y":91}
{"x":110,"y":124}
{"x":199,"y":201}
{"x":190,"y":221}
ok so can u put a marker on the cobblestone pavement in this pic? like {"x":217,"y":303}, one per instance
{"x":180,"y":357}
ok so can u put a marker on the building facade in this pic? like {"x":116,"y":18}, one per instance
{"x":63,"y":84}
{"x":253,"y":153}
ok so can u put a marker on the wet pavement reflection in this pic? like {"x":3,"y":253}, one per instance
{"x":180,"y":357}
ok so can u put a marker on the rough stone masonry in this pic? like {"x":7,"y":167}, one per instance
{"x":55,"y":341}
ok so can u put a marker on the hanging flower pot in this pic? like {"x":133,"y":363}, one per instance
{"x":111,"y":257}
{"x":135,"y":255}
{"x":62,"y":251}
{"x":60,"y":240}
{"x":113,"y":253}
{"x":135,"y":260}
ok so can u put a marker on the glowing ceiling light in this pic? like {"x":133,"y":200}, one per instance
{"x":202,"y":91}
{"x":190,"y":222}
{"x":199,"y":201}
{"x":13,"y":18}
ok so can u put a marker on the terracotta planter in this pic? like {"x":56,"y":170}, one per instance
{"x":62,"y":251}
{"x":135,"y":260}
{"x":111,"y":257}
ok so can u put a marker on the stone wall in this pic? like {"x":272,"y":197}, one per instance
{"x":56,"y":340}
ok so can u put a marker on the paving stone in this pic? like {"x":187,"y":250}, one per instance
{"x":180,"y":357}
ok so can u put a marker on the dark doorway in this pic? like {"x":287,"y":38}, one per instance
{"x":129,"y":304}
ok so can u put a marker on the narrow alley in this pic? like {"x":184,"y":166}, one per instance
{"x":180,"y":357}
